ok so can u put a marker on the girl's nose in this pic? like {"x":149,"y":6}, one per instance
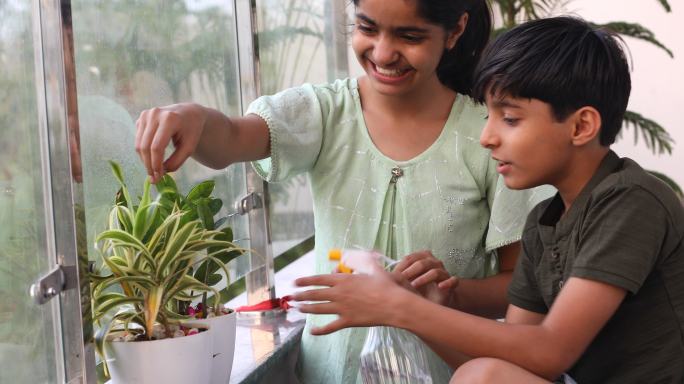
{"x":384,"y":51}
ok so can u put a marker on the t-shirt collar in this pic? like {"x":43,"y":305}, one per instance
{"x":552,"y":216}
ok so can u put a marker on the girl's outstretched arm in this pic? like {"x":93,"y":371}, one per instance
{"x":206,"y":134}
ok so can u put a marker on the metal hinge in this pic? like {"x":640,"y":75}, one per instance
{"x":51,"y":284}
{"x":249,"y":202}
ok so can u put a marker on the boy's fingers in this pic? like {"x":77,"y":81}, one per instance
{"x":323,"y":280}
{"x":329,"y":328}
{"x":318,"y":308}
{"x":319,"y":294}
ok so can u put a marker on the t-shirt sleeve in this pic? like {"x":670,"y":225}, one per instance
{"x":621,"y":237}
{"x":509,"y":209}
{"x":523,"y":290}
{"x":295,"y":123}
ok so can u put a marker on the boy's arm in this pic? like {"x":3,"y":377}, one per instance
{"x":546,"y":349}
{"x":514,"y":315}
{"x":487,"y":297}
{"x":517,"y":315}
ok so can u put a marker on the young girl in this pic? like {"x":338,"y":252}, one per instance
{"x":393,"y":157}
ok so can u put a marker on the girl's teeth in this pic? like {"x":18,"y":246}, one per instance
{"x":388,"y":72}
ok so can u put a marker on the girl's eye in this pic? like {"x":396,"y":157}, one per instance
{"x":486,"y":117}
{"x":364,"y":28}
{"x":412,"y":38}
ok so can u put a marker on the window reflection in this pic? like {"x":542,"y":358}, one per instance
{"x":294,"y":48}
{"x":134,"y":55}
{"x":27,"y":345}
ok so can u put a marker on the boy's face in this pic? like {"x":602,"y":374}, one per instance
{"x":529,"y":145}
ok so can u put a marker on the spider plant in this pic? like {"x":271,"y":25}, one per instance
{"x":148,"y":251}
{"x":199,"y":204}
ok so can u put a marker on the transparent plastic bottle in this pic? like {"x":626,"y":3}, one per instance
{"x":389,"y":355}
{"x":393,"y":356}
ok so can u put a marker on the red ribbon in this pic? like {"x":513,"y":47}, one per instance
{"x":281,"y":302}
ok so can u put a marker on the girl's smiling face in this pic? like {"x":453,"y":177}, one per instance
{"x":398,"y":49}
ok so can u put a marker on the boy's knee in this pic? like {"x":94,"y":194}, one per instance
{"x":481,"y":370}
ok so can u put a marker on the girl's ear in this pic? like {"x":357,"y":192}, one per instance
{"x":587,"y":126}
{"x":453,"y":36}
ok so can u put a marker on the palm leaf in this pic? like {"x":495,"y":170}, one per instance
{"x":665,"y":5}
{"x":636,"y":31}
{"x":655,"y":136}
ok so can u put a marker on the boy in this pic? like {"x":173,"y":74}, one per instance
{"x":598,"y":291}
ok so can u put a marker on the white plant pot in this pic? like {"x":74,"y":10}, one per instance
{"x":176,"y":360}
{"x":223,"y":333}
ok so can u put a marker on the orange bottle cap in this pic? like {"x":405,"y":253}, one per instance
{"x":343,"y":268}
{"x":335,"y":254}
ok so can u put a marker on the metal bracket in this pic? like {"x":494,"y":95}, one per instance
{"x":249,"y":202}
{"x":51,"y":284}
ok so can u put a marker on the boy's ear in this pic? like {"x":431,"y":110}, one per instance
{"x":587,"y":126}
{"x":453,"y":36}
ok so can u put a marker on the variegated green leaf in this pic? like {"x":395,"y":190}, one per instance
{"x":175,"y":246}
{"x":201,"y":190}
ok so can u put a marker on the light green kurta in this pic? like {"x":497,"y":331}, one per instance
{"x":449,"y":199}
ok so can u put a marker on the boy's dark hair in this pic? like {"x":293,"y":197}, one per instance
{"x":562,"y":61}
{"x":455,"y":70}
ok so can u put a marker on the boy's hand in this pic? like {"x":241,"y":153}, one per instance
{"x":359,"y":300}
{"x":428,"y":276}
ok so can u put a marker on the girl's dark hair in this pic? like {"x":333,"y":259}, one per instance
{"x":456,"y":68}
{"x":562,"y":61}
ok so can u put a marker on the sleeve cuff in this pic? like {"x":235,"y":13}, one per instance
{"x":606,"y":277}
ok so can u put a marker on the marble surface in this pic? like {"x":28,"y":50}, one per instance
{"x":261,"y":344}
{"x":264,"y":343}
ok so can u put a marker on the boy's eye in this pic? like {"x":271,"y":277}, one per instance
{"x":486,"y":117}
{"x":511,"y":120}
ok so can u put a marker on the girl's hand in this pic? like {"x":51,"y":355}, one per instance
{"x":359,"y":300}
{"x":428,"y":276}
{"x":157,"y":127}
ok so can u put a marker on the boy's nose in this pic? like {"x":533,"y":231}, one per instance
{"x":488,"y":138}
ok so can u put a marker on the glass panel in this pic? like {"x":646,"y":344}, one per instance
{"x":27,"y":330}
{"x":296,"y":40}
{"x":132,"y":56}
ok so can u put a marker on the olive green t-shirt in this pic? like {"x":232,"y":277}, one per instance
{"x":625,"y":229}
